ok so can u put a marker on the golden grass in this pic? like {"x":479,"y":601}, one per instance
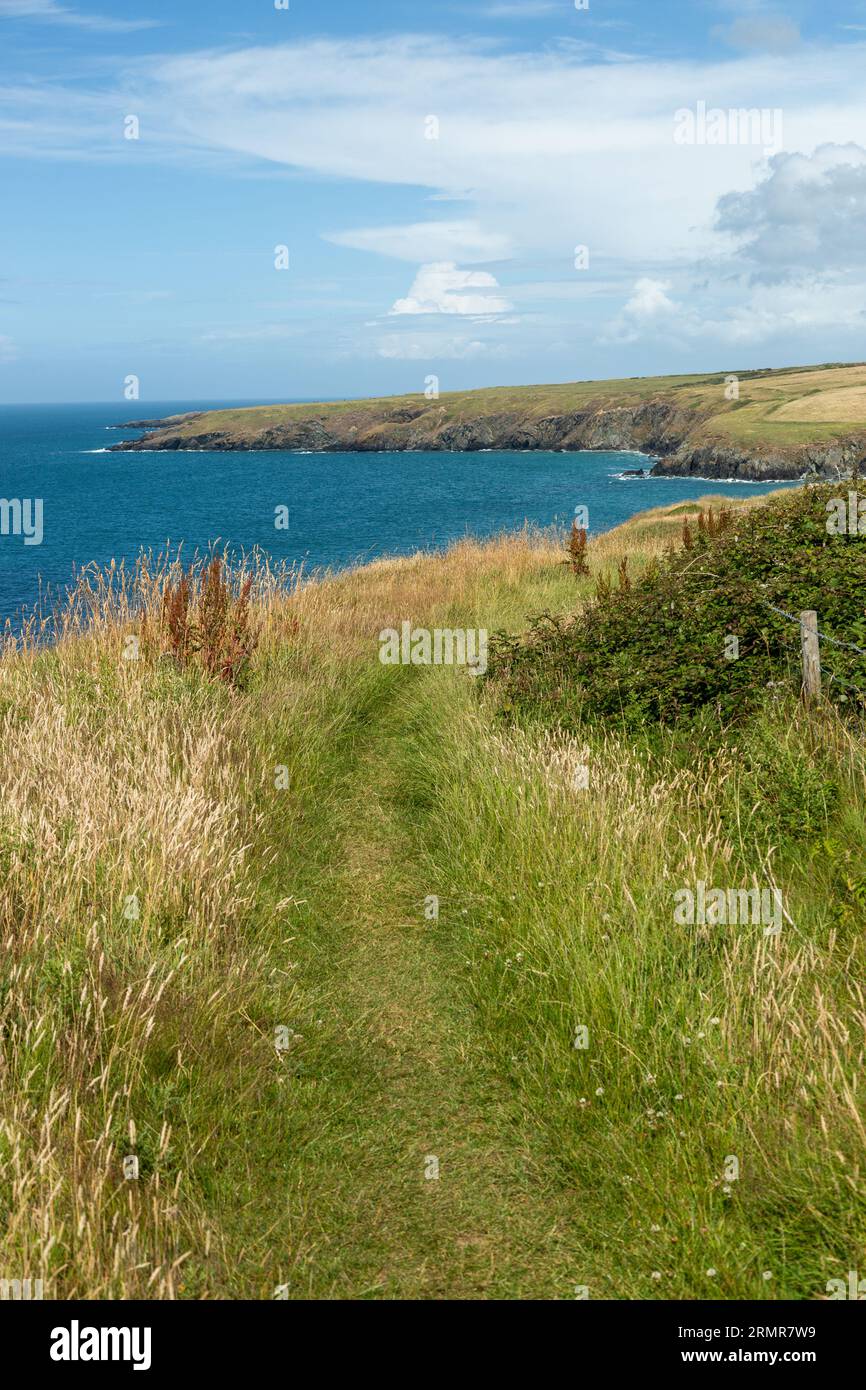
{"x":130,"y":853}
{"x":846,"y":405}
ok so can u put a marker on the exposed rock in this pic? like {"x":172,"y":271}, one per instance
{"x":658,"y":427}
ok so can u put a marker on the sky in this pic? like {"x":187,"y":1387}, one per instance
{"x":234,"y":199}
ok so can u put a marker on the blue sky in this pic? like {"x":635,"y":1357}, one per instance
{"x":490,"y":191}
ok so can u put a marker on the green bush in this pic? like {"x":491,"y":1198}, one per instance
{"x":658,"y":651}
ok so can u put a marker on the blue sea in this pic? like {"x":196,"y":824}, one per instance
{"x":343,"y":508}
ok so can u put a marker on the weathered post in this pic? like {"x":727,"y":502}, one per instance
{"x":811,"y":656}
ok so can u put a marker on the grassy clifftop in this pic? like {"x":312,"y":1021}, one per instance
{"x":771,"y":413}
{"x":222,"y":959}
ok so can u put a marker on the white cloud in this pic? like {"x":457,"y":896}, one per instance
{"x":548,"y":149}
{"x":742,"y":315}
{"x":648,"y":304}
{"x":462,"y":240}
{"x":251,"y":335}
{"x":808,"y":211}
{"x":61,"y":14}
{"x":441,"y":288}
{"x":521,"y":9}
{"x":650,"y":299}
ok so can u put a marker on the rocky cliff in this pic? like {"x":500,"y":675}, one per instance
{"x":674,"y":434}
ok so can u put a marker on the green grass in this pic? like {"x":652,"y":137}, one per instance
{"x":747,"y":420}
{"x":411,"y":1039}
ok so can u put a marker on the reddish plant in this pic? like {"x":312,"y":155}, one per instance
{"x":577,"y":544}
{"x":217,"y":630}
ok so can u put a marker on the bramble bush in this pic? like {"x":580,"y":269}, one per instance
{"x":658,"y":650}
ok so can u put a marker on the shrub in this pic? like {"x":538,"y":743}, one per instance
{"x":658,"y":650}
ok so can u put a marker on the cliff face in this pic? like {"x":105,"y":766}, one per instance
{"x":826,"y":462}
{"x":657,"y":427}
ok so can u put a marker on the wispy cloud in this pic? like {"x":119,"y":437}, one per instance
{"x":56,"y":13}
{"x":435,"y":347}
{"x":548,"y":149}
{"x":461,"y":240}
{"x":520,"y":9}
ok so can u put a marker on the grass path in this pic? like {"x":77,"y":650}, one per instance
{"x":281,"y":842}
{"x":493,"y":1223}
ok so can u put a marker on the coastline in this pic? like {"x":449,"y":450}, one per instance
{"x":689,"y":428}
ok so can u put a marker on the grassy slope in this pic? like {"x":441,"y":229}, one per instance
{"x":787,"y":407}
{"x":303,"y":907}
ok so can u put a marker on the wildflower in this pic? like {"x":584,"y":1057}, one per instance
{"x":711,"y":1274}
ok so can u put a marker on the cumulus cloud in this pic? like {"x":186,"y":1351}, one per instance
{"x":442,"y":288}
{"x":808,"y":212}
{"x":647,"y":306}
{"x":787,"y":313}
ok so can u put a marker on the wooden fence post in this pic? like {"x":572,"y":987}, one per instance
{"x":811,"y":656}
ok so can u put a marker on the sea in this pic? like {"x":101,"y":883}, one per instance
{"x":343,"y":509}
